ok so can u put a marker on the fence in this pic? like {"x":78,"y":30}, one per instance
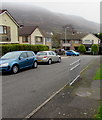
{"x":74,"y":71}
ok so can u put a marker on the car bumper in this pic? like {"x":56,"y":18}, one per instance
{"x":43,"y":60}
{"x":5,"y":69}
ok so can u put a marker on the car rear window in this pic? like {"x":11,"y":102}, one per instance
{"x":42,"y":53}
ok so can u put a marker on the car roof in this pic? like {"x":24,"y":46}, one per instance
{"x":19,"y":51}
{"x":46,"y":51}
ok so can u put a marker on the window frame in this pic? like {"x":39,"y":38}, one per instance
{"x":3,"y":30}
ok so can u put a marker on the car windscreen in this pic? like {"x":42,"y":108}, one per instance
{"x":11,"y":55}
{"x":42,"y":53}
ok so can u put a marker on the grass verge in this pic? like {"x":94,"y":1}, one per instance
{"x":99,"y":114}
{"x":98,"y":75}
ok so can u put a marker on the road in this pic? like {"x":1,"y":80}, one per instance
{"x":23,"y":92}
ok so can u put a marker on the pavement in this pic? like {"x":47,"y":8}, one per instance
{"x":81,"y":100}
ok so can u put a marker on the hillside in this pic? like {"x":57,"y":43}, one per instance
{"x":28,"y":14}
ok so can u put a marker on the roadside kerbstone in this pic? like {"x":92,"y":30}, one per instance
{"x":79,"y":101}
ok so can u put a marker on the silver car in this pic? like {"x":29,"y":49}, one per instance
{"x":48,"y":57}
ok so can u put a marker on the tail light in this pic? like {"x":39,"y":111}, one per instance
{"x":45,"y":57}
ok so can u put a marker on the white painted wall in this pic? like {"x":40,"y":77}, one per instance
{"x":90,"y":37}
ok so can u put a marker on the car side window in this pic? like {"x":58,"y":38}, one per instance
{"x":50,"y":53}
{"x":53,"y":53}
{"x":23,"y":55}
{"x":30,"y":54}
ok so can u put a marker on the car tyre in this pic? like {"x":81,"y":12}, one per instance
{"x":15,"y":69}
{"x":49,"y":62}
{"x":35,"y":64}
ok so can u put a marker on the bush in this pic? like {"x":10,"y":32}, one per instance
{"x":82,"y":49}
{"x":94,"y":49}
{"x":20,"y":47}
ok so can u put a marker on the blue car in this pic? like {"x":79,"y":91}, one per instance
{"x":72,"y":52}
{"x":14,"y":61}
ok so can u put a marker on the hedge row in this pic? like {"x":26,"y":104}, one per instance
{"x":20,"y":47}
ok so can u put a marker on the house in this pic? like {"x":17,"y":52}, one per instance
{"x":48,"y":39}
{"x":8,"y":28}
{"x":33,"y":35}
{"x":90,"y":39}
{"x":74,"y":40}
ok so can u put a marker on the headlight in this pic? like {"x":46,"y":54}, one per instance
{"x":4,"y":64}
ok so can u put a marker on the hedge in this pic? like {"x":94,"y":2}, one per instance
{"x":20,"y":47}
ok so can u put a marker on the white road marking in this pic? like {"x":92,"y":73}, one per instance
{"x":52,"y":96}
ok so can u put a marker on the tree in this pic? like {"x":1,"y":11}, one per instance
{"x":94,"y":49}
{"x":82,"y":49}
{"x":56,"y":40}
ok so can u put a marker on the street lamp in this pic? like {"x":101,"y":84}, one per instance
{"x":66,"y":34}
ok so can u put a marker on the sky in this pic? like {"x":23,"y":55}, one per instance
{"x":89,"y":9}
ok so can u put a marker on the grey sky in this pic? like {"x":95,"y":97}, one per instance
{"x":87,"y":9}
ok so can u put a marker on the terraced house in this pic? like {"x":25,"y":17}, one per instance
{"x":8,"y":28}
{"x":74,"y":40}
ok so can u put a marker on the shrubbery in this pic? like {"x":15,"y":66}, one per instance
{"x":20,"y":47}
{"x":82,"y":49}
{"x":94,"y":49}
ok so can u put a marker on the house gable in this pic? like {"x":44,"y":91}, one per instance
{"x":10,"y":16}
{"x":91,"y":37}
{"x":5,"y":20}
{"x":36,"y":33}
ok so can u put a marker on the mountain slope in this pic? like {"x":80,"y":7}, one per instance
{"x":28,"y":14}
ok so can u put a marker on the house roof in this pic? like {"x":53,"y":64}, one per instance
{"x":5,"y":11}
{"x":75,"y":36}
{"x":47,"y":34}
{"x":27,"y":30}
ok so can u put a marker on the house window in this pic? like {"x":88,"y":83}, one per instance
{"x":88,"y":42}
{"x":38,"y":39}
{"x":3,"y":30}
{"x":25,"y":39}
{"x":76,"y":41}
{"x":48,"y":39}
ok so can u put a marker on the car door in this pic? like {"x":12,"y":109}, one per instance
{"x":30,"y":58}
{"x":23,"y":63}
{"x":55,"y":56}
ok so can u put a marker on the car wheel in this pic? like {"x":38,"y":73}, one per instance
{"x":59,"y":60}
{"x":49,"y":61}
{"x":35,"y":65}
{"x":15,"y":69}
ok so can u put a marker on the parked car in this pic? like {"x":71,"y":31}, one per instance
{"x":72,"y":52}
{"x":14,"y":61}
{"x":48,"y":57}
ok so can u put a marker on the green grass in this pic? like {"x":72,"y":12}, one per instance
{"x":98,"y":75}
{"x":99,"y":114}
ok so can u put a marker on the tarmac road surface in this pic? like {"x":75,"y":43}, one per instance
{"x":23,"y":92}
